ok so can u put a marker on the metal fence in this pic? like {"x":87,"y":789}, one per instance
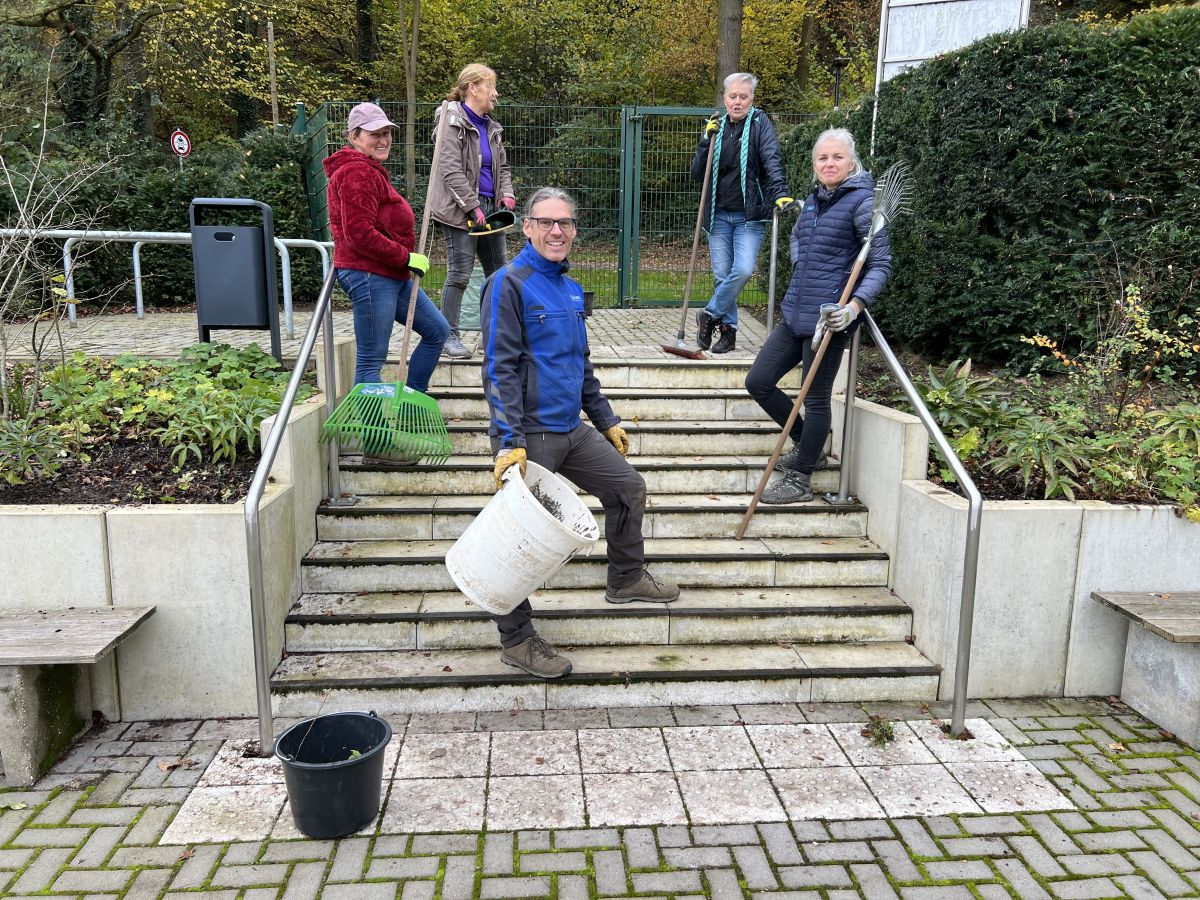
{"x":628,"y":167}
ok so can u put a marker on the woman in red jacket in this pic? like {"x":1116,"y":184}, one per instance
{"x":373,"y":253}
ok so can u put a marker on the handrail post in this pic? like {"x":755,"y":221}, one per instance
{"x":258,"y":604}
{"x":137,"y":278}
{"x":970,"y":575}
{"x":842,"y":497}
{"x":285,"y":267}
{"x":69,"y":278}
{"x":771,"y":275}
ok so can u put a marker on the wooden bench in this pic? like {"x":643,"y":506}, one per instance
{"x":1162,"y":658}
{"x":45,"y":695}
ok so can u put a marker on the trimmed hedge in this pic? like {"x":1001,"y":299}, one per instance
{"x":1050,"y":167}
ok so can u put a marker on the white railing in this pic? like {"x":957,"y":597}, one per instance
{"x":72,"y":237}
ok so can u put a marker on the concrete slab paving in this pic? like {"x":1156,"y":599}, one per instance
{"x":648,"y":802}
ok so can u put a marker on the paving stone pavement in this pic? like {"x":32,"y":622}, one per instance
{"x":98,"y":826}
{"x":613,"y":333}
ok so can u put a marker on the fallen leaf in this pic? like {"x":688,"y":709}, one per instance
{"x":187,"y":854}
{"x":447,"y":669}
{"x":540,"y":760}
{"x":437,"y":752}
{"x":13,"y":805}
{"x":1117,"y":747}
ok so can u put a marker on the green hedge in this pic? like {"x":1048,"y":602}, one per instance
{"x":1049,"y":166}
{"x":147,"y":190}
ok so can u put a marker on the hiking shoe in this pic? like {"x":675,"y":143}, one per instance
{"x":536,"y":656}
{"x":791,"y":460}
{"x":646,"y":589}
{"x":704,"y":329}
{"x":727,"y":340}
{"x":793,"y":487}
{"x":454,"y":348}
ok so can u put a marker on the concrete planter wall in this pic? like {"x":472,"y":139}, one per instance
{"x":194,"y":657}
{"x":1037,"y":632}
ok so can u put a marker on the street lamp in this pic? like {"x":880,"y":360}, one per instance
{"x":839,"y":65}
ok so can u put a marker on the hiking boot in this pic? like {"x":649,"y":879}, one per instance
{"x":454,"y":348}
{"x":791,"y":460}
{"x":536,"y":656}
{"x":793,"y":487}
{"x":704,"y":329}
{"x":647,"y":589}
{"x":726,"y":341}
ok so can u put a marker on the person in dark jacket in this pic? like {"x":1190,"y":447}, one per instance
{"x":373,"y":254}
{"x":473,"y":182}
{"x":747,"y":180}
{"x":828,"y":235}
{"x":538,"y":378}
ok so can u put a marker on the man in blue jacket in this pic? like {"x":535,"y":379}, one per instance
{"x":538,"y":378}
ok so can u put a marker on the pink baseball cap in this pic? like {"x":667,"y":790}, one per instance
{"x":368,"y":117}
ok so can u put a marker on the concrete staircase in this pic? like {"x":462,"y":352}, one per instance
{"x":798,"y":611}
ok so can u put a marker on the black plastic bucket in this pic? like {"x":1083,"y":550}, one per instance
{"x":333,"y":791}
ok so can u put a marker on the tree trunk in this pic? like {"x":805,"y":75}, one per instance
{"x":729,"y":41}
{"x":408,"y":52}
{"x":364,"y":25}
{"x":244,"y":106}
{"x":806,"y":40}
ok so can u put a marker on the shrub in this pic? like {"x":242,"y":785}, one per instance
{"x":1048,"y":165}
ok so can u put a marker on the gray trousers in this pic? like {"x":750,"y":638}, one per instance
{"x":461,"y":250}
{"x":586,"y":458}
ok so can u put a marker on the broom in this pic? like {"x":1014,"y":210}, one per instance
{"x":680,"y":347}
{"x":891,"y":199}
{"x":394,"y":420}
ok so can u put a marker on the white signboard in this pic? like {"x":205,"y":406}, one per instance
{"x":912,"y":31}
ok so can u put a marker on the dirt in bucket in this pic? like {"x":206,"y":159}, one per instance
{"x":555,"y":509}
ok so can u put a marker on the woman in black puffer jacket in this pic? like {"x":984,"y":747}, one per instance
{"x":828,"y":235}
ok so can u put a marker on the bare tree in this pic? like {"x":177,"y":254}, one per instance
{"x":408,"y":51}
{"x":86,"y":86}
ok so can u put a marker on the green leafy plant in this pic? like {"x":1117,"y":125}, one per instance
{"x":878,"y":731}
{"x":30,"y":450}
{"x":1035,"y":446}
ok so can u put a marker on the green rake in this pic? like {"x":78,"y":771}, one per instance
{"x":392,"y":421}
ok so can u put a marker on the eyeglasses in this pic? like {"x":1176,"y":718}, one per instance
{"x":545,"y":224}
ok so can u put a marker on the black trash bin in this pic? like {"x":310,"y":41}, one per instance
{"x":234,"y":267}
{"x":333,"y":767}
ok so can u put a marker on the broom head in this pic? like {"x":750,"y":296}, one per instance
{"x":392,"y":421}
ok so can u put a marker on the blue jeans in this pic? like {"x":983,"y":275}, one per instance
{"x":379,"y":302}
{"x":733,"y":246}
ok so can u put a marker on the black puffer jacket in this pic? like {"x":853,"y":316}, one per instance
{"x":761,"y":164}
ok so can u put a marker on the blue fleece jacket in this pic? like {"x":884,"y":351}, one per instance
{"x":827,"y":237}
{"x":537,"y":370}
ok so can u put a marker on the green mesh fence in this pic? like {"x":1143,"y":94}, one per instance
{"x":628,"y":168}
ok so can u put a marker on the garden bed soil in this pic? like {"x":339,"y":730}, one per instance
{"x":133,"y":473}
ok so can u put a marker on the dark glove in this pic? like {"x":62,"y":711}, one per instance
{"x":419,"y":263}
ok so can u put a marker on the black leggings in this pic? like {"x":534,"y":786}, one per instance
{"x":781,"y":352}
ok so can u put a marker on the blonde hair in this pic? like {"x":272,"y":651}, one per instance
{"x":472,"y":74}
{"x":846,"y":139}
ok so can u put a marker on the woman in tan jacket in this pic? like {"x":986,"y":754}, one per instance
{"x":473,"y":181}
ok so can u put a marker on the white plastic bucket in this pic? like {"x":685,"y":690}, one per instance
{"x":516,"y":544}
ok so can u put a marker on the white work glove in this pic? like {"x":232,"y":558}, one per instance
{"x":840,"y":319}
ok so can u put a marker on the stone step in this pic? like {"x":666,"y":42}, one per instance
{"x":652,"y":438}
{"x":424,"y":517}
{"x":447,"y":620}
{"x":641,"y":403}
{"x":664,"y":475}
{"x":410,"y":681}
{"x":672,"y":372}
{"x":353,"y":566}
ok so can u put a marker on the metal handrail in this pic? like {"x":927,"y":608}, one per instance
{"x":966,"y":613}
{"x":72,"y":236}
{"x":322,"y":315}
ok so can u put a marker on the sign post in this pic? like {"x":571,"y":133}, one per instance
{"x":181,"y":145}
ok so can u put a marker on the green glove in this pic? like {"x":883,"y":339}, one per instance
{"x":710,"y":126}
{"x":505,"y":459}
{"x":786,"y":204}
{"x":419,"y":263}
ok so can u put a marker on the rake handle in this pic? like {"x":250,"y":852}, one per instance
{"x":805,"y":386}
{"x":691,"y":273}
{"x":422,"y":243}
